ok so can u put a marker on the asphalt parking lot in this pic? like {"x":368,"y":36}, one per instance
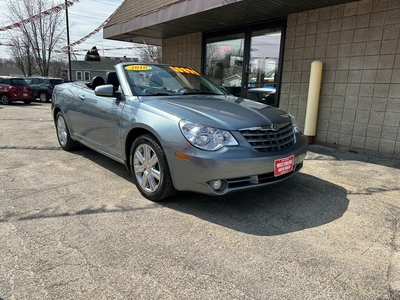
{"x":73,"y":226}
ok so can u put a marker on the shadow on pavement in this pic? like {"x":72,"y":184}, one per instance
{"x":23,"y":105}
{"x":321,"y":152}
{"x":301,"y":202}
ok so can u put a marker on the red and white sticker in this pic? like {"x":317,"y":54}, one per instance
{"x":283,"y":165}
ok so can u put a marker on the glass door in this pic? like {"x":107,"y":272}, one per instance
{"x":262,"y":76}
{"x":246,"y":62}
{"x":224,"y":61}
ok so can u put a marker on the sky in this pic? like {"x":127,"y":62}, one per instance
{"x":84,"y":17}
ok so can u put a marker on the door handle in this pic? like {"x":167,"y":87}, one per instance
{"x":82,"y":97}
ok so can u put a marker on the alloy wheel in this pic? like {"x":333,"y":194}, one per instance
{"x":43,"y":97}
{"x":62,"y":131}
{"x":147,"y":168}
{"x":5,"y":100}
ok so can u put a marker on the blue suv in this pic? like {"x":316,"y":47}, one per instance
{"x":43,"y":87}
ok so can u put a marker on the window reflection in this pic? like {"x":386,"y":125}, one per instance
{"x":263,"y":67}
{"x":224,"y":61}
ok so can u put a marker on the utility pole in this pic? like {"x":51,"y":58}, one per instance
{"x":68,"y":47}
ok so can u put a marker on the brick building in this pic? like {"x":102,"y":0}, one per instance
{"x":271,"y":44}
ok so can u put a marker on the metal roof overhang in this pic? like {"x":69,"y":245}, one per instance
{"x":185,"y":17}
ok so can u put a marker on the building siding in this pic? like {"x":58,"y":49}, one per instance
{"x":183,"y":50}
{"x":359,"y":45}
{"x":130,"y":9}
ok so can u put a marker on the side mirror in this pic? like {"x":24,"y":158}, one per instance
{"x":107,"y":90}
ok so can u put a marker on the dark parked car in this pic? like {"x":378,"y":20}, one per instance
{"x":14,"y":89}
{"x":43,"y":87}
{"x":177,"y":131}
{"x":263,"y":95}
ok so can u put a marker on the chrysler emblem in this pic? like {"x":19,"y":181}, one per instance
{"x":274,"y":127}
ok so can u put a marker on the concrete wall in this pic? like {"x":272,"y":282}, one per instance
{"x":359,"y":45}
{"x":183,"y":50}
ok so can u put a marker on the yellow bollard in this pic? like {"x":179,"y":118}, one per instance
{"x":314,"y":89}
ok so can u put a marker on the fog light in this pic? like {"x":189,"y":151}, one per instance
{"x":216,"y":185}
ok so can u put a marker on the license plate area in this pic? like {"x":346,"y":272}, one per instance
{"x":283,"y":165}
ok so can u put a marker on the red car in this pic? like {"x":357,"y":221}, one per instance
{"x":15,"y":89}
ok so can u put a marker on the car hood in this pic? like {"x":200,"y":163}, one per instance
{"x":225,"y":112}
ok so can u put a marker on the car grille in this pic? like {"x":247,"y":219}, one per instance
{"x":261,"y":179}
{"x":267,"y":139}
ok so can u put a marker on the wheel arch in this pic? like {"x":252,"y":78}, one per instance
{"x":166,"y":186}
{"x":56,"y":109}
{"x":133,"y":134}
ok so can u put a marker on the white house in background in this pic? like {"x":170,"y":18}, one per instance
{"x":86,"y":70}
{"x":234,"y":80}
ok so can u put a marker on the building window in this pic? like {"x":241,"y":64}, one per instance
{"x":87,"y":76}
{"x":224,"y":61}
{"x":78,"y":75}
{"x":247,"y":60}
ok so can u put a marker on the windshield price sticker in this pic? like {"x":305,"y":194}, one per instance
{"x":185,"y":71}
{"x":283,"y":165}
{"x":138,"y":68}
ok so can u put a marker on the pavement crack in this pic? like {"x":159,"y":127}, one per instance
{"x":393,"y":270}
{"x":35,"y":192}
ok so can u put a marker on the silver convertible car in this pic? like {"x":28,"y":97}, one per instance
{"x":177,"y":131}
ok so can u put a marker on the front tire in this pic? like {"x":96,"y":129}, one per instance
{"x":150,"y":169}
{"x":5,"y":100}
{"x":43,"y":97}
{"x":63,"y":135}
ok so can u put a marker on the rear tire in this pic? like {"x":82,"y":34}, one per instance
{"x":5,"y":100}
{"x":43,"y":97}
{"x":149,"y":168}
{"x":63,"y":135}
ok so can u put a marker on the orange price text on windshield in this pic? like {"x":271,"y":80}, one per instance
{"x":185,"y":71}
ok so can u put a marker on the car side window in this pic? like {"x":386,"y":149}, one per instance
{"x":1,"y":80}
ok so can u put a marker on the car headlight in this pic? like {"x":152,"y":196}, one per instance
{"x":294,"y":123}
{"x":206,"y":138}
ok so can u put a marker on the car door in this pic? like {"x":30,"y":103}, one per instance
{"x":34,"y":85}
{"x":2,"y":85}
{"x":22,"y":90}
{"x":101,"y":125}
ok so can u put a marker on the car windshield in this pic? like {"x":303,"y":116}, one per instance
{"x":18,"y":82}
{"x":161,"y":80}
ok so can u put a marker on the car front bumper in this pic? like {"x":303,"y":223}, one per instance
{"x":235,"y":169}
{"x":14,"y":97}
